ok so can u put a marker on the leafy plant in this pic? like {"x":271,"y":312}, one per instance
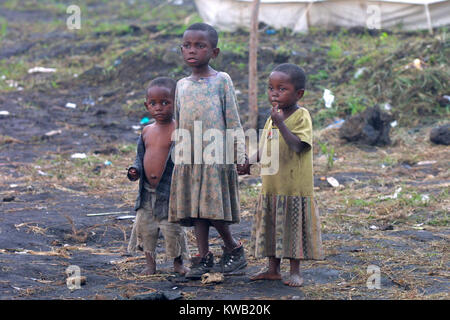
{"x":329,"y":152}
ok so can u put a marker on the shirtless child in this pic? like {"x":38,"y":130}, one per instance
{"x":153,"y":167}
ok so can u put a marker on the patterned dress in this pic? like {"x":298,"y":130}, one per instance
{"x":200,"y":189}
{"x":287,"y":223}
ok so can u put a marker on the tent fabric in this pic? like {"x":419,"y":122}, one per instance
{"x":229,"y":15}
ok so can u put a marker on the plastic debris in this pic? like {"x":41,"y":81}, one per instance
{"x":107,"y":163}
{"x":336,"y":124}
{"x":88,"y":102}
{"x":105,"y":213}
{"x":145,"y":120}
{"x":271,"y":32}
{"x":212,"y":278}
{"x":135,"y":127}
{"x":4,"y":113}
{"x":359,"y":72}
{"x":71,"y":105}
{"x":393,"y":196}
{"x":117,"y":62}
{"x":328,"y":97}
{"x":42,"y":173}
{"x":78,"y":156}
{"x":125,"y":217}
{"x":41,"y":70}
{"x":333,"y":182}
{"x":425,"y":198}
{"x":394,"y":124}
{"x":53,"y":132}
{"x":373,"y":228}
{"x":424,"y":163}
{"x":387,"y":106}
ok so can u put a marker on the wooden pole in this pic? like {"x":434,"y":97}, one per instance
{"x":252,"y":67}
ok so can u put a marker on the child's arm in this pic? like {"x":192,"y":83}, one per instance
{"x":294,"y":142}
{"x":232,"y":120}
{"x":134,"y":171}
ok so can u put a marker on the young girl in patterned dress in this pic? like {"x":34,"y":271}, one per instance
{"x":204,"y":195}
{"x":287,"y":223}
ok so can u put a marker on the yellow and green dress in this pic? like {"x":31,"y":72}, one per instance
{"x":287,"y":223}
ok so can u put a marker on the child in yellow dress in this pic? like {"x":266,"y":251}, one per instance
{"x":287,"y":224}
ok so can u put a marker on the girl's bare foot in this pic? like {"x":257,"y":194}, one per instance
{"x":178,"y":266}
{"x":266,"y":275}
{"x":293,"y":280}
{"x":148,"y":271}
{"x":182,"y":270}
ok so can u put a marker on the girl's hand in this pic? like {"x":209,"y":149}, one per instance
{"x":276,"y":115}
{"x":133,"y":174}
{"x":244,"y":168}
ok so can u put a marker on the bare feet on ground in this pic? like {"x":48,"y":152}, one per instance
{"x":148,"y":271}
{"x":293,"y":280}
{"x":266,"y":275}
{"x":182,"y":270}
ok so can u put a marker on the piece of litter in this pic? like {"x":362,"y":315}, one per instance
{"x":71,"y":105}
{"x":89,"y":102}
{"x":53,"y":132}
{"x":425,"y":198}
{"x":328,"y":97}
{"x":417,"y":64}
{"x":107,"y":163}
{"x":78,"y":156}
{"x":42,"y":173}
{"x":105,"y":213}
{"x":125,"y":217}
{"x":13,"y":185}
{"x":424,"y":163}
{"x":394,"y":123}
{"x":4,"y":113}
{"x":41,"y":70}
{"x":394,"y":196}
{"x":446,"y":97}
{"x":136,"y":127}
{"x":359,"y":72}
{"x":387,"y":106}
{"x":336,"y":125}
{"x":373,"y":228}
{"x":333,"y":182}
{"x":145,"y":120}
{"x":212,"y":278}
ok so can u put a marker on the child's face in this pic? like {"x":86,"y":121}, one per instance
{"x":197,"y":49}
{"x":160,"y":104}
{"x":281,"y":91}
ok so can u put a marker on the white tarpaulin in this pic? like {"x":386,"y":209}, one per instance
{"x":228,"y":15}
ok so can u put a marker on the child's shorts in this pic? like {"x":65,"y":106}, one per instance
{"x":145,"y":233}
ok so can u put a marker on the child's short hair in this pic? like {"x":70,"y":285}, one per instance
{"x":213,"y":37}
{"x":297,"y":75}
{"x":164,"y":82}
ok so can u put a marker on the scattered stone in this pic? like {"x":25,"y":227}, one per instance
{"x":441,"y":135}
{"x":369,"y":127}
{"x":158,"y":296}
{"x":8,"y":199}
